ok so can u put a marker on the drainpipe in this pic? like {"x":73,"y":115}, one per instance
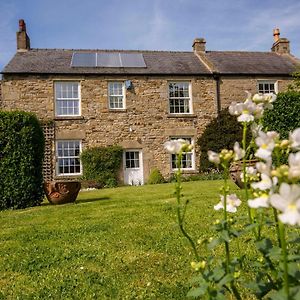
{"x":217,"y":78}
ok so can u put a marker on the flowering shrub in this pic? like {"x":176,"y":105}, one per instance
{"x":272,"y":197}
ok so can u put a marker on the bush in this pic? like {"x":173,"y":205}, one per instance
{"x":155,"y":177}
{"x":221,"y":133}
{"x":285,"y":116}
{"x":21,"y":160}
{"x":101,"y":165}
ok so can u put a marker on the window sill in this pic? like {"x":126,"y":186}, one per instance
{"x":67,"y":177}
{"x":63,"y":118}
{"x":181,"y":116}
{"x":117,"y":110}
{"x":187,"y":171}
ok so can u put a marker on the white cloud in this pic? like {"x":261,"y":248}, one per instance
{"x":285,"y":17}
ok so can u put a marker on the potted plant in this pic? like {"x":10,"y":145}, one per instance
{"x":61,"y":192}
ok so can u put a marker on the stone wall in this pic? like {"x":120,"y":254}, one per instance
{"x":233,"y":88}
{"x":145,"y":124}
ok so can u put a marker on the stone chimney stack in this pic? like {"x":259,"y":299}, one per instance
{"x":199,"y":45}
{"x":280,"y":45}
{"x":23,"y":41}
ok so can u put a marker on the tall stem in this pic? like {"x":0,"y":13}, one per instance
{"x":227,"y":228}
{"x":284,"y":260}
{"x":277,"y":226}
{"x":180,"y":216}
{"x":227,"y":252}
{"x":245,"y":179}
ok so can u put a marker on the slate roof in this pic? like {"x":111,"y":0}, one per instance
{"x":58,"y":61}
{"x":238,"y":62}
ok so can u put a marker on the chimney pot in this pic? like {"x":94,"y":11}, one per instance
{"x":22,"y":25}
{"x":276,"y":34}
{"x":23,"y":41}
{"x":280,"y":45}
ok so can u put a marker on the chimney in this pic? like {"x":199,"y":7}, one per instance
{"x":280,"y":45}
{"x":199,"y":45}
{"x":23,"y":41}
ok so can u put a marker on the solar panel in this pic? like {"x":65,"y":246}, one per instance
{"x":132,"y":60}
{"x":108,"y":60}
{"x":83,"y":59}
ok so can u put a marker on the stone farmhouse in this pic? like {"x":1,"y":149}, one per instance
{"x":136,"y":99}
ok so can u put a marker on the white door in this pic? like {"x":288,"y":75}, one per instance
{"x":133,"y":167}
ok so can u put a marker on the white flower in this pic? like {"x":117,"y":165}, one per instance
{"x":295,"y":139}
{"x":174,"y":146}
{"x":294,"y":166}
{"x":251,"y":171}
{"x":266,"y":144}
{"x":265,"y":99}
{"x":258,"y":98}
{"x":288,"y":202}
{"x":213,"y":157}
{"x":266,"y":183}
{"x":232,"y":202}
{"x":238,"y":151}
{"x":255,"y":129}
{"x":245,"y":117}
{"x":245,"y":110}
{"x":264,"y":168}
{"x":261,"y":201}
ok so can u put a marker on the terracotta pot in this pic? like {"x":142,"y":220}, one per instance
{"x":61,"y":192}
{"x":236,"y":170}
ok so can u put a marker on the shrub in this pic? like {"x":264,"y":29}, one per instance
{"x":284,"y":117}
{"x":101,"y":165}
{"x":21,"y":160}
{"x":221,"y":133}
{"x":155,"y":177}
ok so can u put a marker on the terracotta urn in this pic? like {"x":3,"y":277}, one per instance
{"x":61,"y":192}
{"x":236,"y":169}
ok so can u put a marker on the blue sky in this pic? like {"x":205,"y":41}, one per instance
{"x":149,"y":24}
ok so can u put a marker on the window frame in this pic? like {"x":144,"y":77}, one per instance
{"x":57,"y":157}
{"x":134,"y":159}
{"x":193,"y":154}
{"x":66,"y":99}
{"x":123,"y":95}
{"x":190,"y":104}
{"x":266,"y":81}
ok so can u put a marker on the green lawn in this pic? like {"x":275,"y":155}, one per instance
{"x":120,"y":243}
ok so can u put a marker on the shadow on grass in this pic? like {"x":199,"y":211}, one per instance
{"x":85,"y":200}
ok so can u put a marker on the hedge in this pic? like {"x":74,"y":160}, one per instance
{"x":221,"y":133}
{"x":21,"y":160}
{"x":285,"y":116}
{"x":101,"y":165}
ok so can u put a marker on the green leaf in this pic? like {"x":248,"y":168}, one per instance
{"x":226,"y":279}
{"x":215,"y":242}
{"x":225,"y":236}
{"x":218,"y":273}
{"x":293,"y":270}
{"x":199,"y":291}
{"x":278,"y":295}
{"x":264,"y":245}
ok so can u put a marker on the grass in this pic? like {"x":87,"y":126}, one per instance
{"x":120,"y":243}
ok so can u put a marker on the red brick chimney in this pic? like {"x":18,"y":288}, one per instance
{"x":23,"y":41}
{"x":281,"y":45}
